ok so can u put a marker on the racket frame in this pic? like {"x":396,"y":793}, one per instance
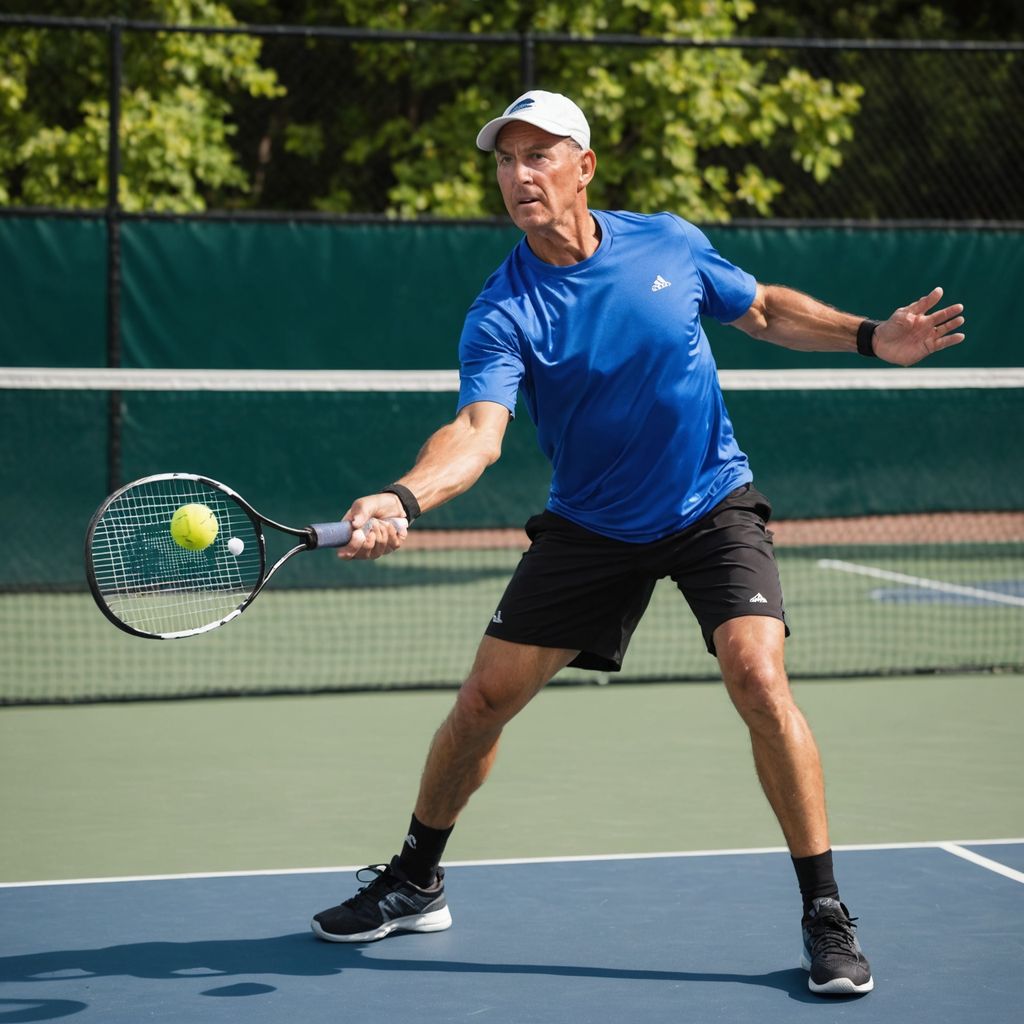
{"x":307,"y":535}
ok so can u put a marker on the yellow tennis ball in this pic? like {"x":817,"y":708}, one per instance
{"x":194,"y":527}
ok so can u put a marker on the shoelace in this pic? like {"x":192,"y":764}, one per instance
{"x":833,"y":933}
{"x":381,"y":877}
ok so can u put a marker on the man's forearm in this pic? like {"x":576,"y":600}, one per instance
{"x":786,"y":317}
{"x":453,"y":459}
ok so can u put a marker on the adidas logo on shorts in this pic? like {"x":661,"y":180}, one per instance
{"x":759,"y":599}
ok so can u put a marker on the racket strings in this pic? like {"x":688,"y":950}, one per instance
{"x":155,"y":585}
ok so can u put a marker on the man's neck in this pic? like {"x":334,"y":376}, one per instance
{"x":565,"y":245}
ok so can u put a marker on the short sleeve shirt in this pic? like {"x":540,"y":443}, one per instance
{"x":612,"y":362}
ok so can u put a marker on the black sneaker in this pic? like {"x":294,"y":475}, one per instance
{"x":832,"y":953}
{"x":389,"y":903}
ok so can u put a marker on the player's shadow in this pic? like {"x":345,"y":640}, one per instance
{"x":300,"y":955}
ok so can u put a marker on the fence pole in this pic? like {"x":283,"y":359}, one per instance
{"x":527,"y":60}
{"x":115,"y":405}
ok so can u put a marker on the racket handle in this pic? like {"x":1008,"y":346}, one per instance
{"x":338,"y":534}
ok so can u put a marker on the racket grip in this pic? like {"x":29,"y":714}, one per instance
{"x":338,"y":534}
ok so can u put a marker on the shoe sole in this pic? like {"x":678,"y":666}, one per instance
{"x":435,"y":921}
{"x":837,"y":986}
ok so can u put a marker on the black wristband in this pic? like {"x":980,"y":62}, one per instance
{"x":406,"y":497}
{"x":865,"y":338}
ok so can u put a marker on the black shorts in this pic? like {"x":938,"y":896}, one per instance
{"x":582,"y":591}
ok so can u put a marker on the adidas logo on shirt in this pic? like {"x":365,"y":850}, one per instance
{"x":659,"y":283}
{"x":758,"y":599}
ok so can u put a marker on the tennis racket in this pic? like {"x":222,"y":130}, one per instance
{"x":149,"y":585}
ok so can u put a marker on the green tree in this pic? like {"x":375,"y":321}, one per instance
{"x":891,"y":19}
{"x":668,"y":122}
{"x":388,"y":127}
{"x":932,"y":132}
{"x":176,"y":104}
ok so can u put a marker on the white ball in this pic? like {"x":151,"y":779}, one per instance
{"x":236,"y":546}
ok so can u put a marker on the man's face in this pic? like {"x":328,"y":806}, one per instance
{"x":539,"y":175}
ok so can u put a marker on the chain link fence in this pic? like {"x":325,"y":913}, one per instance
{"x":147,"y":119}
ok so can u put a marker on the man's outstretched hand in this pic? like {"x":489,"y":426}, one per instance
{"x":912,"y":333}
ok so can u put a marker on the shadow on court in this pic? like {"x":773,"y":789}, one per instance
{"x":301,"y":955}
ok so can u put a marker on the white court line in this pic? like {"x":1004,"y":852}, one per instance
{"x":976,"y":858}
{"x":920,"y":581}
{"x":950,"y":846}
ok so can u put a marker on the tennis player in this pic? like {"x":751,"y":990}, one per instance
{"x":595,"y":319}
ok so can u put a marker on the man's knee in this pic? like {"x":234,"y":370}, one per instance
{"x":750,"y":655}
{"x":504,"y":679}
{"x":760,"y":691}
{"x":488,"y":699}
{"x":480,"y":702}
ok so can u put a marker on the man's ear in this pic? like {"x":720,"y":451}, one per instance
{"x":588,"y":165}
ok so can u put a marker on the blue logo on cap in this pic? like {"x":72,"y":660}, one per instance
{"x":521,"y":105}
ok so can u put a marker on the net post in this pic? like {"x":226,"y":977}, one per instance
{"x":115,"y":409}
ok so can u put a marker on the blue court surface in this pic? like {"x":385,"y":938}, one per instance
{"x":680,"y":938}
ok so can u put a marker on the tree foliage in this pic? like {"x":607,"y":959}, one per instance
{"x":937,"y":119}
{"x":891,"y":19}
{"x":214,"y":121}
{"x":176,"y":105}
{"x":667,"y":121}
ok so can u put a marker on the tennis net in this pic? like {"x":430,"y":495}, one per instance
{"x":899,"y":528}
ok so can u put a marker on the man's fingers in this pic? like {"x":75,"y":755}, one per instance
{"x":372,"y":538}
{"x":947,"y":314}
{"x":355,"y":543}
{"x":943,"y":328}
{"x":950,"y":325}
{"x":926,"y":302}
{"x":947,"y":341}
{"x":942,"y":339}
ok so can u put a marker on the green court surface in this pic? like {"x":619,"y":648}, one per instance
{"x":289,"y":782}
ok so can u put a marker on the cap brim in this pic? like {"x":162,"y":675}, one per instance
{"x":487,"y":137}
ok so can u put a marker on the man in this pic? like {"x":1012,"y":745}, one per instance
{"x":595,"y":318}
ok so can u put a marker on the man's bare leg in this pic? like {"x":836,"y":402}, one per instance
{"x":409,"y":894}
{"x":785,"y":753}
{"x":504,"y":679}
{"x":789,"y":767}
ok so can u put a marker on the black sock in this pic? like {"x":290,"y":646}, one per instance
{"x":814,"y":875}
{"x":422,"y":852}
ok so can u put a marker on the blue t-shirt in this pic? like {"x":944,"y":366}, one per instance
{"x":616,"y":372}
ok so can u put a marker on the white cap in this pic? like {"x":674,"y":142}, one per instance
{"x":551,"y":111}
